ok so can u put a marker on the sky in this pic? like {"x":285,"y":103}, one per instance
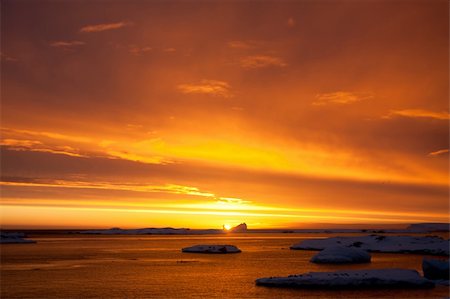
{"x":279,"y":114}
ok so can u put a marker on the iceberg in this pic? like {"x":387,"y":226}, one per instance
{"x":385,"y":278}
{"x":377,"y":243}
{"x":13,"y":238}
{"x":241,"y":228}
{"x":212,"y":249}
{"x":341,"y":255}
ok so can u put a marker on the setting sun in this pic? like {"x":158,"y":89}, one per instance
{"x":227,"y":226}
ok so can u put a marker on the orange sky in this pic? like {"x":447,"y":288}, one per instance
{"x":195,"y":114}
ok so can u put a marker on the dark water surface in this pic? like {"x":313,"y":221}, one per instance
{"x":84,"y":266}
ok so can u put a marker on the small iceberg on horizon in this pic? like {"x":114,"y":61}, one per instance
{"x":241,"y":228}
{"x":14,"y":238}
{"x":351,"y":279}
{"x":341,"y":255}
{"x":221,"y":249}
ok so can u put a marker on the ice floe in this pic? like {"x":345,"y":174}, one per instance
{"x":385,"y":278}
{"x":10,"y":238}
{"x":429,"y":227}
{"x":377,"y":243}
{"x":435,"y":269}
{"x":212,"y":249}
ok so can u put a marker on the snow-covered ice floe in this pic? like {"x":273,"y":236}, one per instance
{"x":383,"y":278}
{"x":341,"y":255}
{"x":429,"y":227}
{"x":436,"y":269}
{"x":376,"y":243}
{"x":11,"y":238}
{"x":212,"y":249}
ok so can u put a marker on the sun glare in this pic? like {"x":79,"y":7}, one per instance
{"x":226,"y":227}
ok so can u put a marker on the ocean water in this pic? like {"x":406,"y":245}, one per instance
{"x":86,"y":266}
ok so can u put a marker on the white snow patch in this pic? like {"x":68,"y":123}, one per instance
{"x":377,"y":243}
{"x":341,"y":255}
{"x":212,"y":249}
{"x":388,"y":278}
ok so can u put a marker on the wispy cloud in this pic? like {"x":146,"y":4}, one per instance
{"x":233,"y":200}
{"x":439,"y":152}
{"x":419,"y":113}
{"x":261,"y":61}
{"x":104,"y":27}
{"x":211,"y":87}
{"x":72,"y":145}
{"x":67,"y":45}
{"x":138,"y":51}
{"x":237,"y":44}
{"x":167,"y":188}
{"x":340,"y":97}
{"x":38,"y":146}
{"x":40,"y":134}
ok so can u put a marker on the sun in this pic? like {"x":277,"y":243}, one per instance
{"x":226,"y":227}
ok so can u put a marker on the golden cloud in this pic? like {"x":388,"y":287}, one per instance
{"x":261,"y":61}
{"x":138,"y":51}
{"x":104,"y":27}
{"x":67,"y":45}
{"x":38,"y":146}
{"x":419,"y":113}
{"x":340,"y":97}
{"x":439,"y":152}
{"x":211,"y":87}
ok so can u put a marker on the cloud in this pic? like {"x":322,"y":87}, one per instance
{"x":104,"y":27}
{"x":211,"y":87}
{"x":439,"y":152}
{"x":261,"y":61}
{"x":138,"y":51}
{"x":340,"y":97}
{"x":67,"y":45}
{"x":419,"y":113}
{"x":135,"y":187}
{"x":233,"y":200}
{"x":44,"y":134}
{"x":38,"y":146}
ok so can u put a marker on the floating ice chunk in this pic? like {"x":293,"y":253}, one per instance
{"x":10,"y":238}
{"x":435,"y":269}
{"x":378,"y":243}
{"x":386,"y":278}
{"x":212,"y":249}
